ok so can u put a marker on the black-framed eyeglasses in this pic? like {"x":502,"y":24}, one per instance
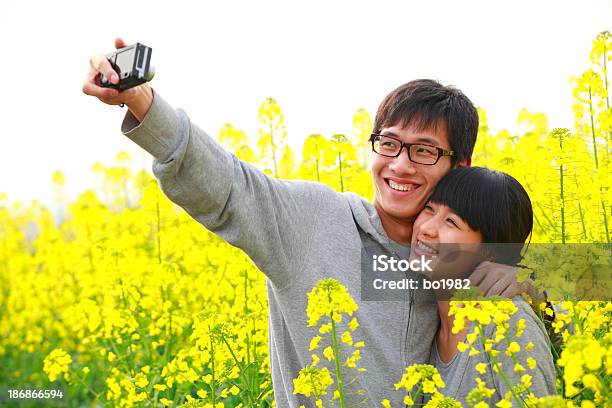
{"x":420,"y":153}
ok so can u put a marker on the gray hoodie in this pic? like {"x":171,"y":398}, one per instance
{"x":297,"y":233}
{"x":459,"y":374}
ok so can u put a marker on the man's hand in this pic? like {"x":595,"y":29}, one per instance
{"x":495,"y":279}
{"x":138,"y":99}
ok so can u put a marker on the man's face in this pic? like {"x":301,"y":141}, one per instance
{"x":402,"y":187}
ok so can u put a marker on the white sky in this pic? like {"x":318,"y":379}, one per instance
{"x":321,"y":60}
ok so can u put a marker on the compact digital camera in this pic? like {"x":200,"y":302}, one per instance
{"x":132,"y":64}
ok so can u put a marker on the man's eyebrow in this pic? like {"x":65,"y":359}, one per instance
{"x":389,"y":133}
{"x":428,"y":140}
{"x":422,"y":139}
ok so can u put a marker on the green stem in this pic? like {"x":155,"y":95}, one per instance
{"x":537,"y":220}
{"x":158,"y":228}
{"x":417,"y":394}
{"x":340,"y":167}
{"x":605,"y":72}
{"x":562,"y":199}
{"x":123,"y":360}
{"x":593,"y":127}
{"x":520,"y":402}
{"x":97,"y":395}
{"x":130,"y":359}
{"x":89,"y":251}
{"x":580,"y":211}
{"x":242,"y":374}
{"x":605,"y":217}
{"x":558,"y":369}
{"x":337,"y":361}
{"x":254,"y":331}
{"x":317,"y":162}
{"x":562,"y":207}
{"x":252,"y":380}
{"x":606,"y":380}
{"x":213,"y":387}
{"x":273,"y":150}
{"x":543,"y":212}
{"x":246,"y":314}
{"x":177,"y":397}
{"x":150,"y":388}
{"x":4,"y":276}
{"x":584,"y":233}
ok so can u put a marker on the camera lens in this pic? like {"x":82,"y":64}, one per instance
{"x":151,"y":73}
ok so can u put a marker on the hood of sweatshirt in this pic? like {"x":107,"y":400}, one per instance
{"x":367,"y":218}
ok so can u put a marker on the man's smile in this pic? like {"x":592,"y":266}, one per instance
{"x":400,"y":185}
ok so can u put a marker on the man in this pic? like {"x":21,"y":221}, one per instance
{"x":299,"y":232}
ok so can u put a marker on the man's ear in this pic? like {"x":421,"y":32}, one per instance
{"x":464,"y":163}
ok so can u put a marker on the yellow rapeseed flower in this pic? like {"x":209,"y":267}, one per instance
{"x":531,"y":362}
{"x":328,"y":353}
{"x":329,"y":298}
{"x":353,"y":324}
{"x":312,"y":380}
{"x":165,"y":402}
{"x":56,"y":363}
{"x":314,"y":343}
{"x":346,"y":338}
{"x":513,"y":348}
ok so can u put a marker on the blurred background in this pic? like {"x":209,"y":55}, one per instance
{"x":320,"y":61}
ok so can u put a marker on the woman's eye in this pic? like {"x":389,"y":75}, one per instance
{"x":450,"y":220}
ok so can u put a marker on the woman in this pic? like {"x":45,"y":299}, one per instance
{"x":469,"y":214}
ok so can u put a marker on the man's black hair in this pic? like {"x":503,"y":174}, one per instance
{"x":426,"y":104}
{"x":491,"y":202}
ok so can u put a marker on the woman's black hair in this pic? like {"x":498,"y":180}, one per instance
{"x":491,"y":202}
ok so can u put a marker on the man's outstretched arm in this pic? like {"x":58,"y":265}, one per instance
{"x":270,"y":219}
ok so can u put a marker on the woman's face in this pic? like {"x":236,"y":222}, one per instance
{"x":441,"y":235}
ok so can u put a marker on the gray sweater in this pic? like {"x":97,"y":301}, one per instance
{"x":459,"y":373}
{"x":297,"y":233}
